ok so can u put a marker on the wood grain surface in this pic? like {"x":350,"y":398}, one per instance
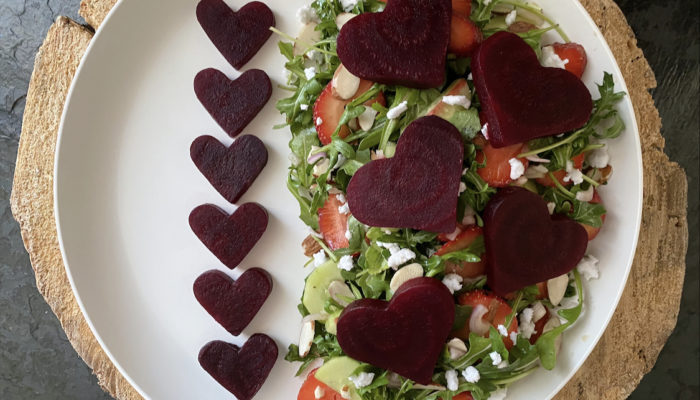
{"x":626,"y":351}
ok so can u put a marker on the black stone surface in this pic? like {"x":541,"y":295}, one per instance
{"x":38,"y":362}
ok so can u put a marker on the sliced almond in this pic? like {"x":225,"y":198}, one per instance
{"x":344,"y":84}
{"x":306,"y":337}
{"x":353,"y":124}
{"x":343,"y":18}
{"x":366,"y":119}
{"x":308,"y":35}
{"x":405,"y":274}
{"x":538,"y":311}
{"x":556,"y":287}
{"x":477,"y":323}
{"x":552,"y":323}
{"x":531,"y":17}
{"x":434,"y":386}
{"x":340,"y":292}
{"x":457,"y":348}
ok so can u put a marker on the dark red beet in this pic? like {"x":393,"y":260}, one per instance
{"x":230,"y":170}
{"x":233,"y":104}
{"x":406,"y":44}
{"x":418,"y":187}
{"x":524,"y":244}
{"x":405,"y":335}
{"x":233,"y":304}
{"x":237,"y":35}
{"x":242,"y":371}
{"x":521,"y":99}
{"x":232,"y":237}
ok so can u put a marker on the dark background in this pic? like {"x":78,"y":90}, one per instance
{"x":38,"y":362}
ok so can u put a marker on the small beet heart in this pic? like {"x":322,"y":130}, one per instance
{"x":237,"y":35}
{"x":521,"y":99}
{"x":406,"y":44}
{"x":242,"y":371}
{"x":232,"y":237}
{"x":524,"y":244}
{"x":418,"y":187}
{"x":230,"y":170}
{"x":405,"y":335}
{"x":233,"y":304}
{"x":233,"y":104}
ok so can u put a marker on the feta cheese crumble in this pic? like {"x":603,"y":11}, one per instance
{"x":514,"y":337}
{"x":362,"y":379}
{"x":396,"y":112}
{"x":348,"y":234}
{"x":310,"y":73}
{"x":469,"y":216}
{"x":471,"y":374}
{"x":495,"y":357}
{"x":392,"y":247}
{"x":510,"y":18}
{"x":503,"y":364}
{"x":453,"y":235}
{"x":319,"y":392}
{"x":400,"y":257}
{"x":585,"y":195}
{"x":452,"y":380}
{"x":470,"y":77}
{"x":344,"y":209}
{"x":307,"y":15}
{"x":457,"y":101}
{"x":453,"y":282}
{"x":502,"y":330}
{"x":598,"y":158}
{"x":526,"y":326}
{"x":550,"y":207}
{"x":485,"y":131}
{"x":303,"y":107}
{"x":588,"y":267}
{"x":462,"y":187}
{"x":345,"y":263}
{"x":572,"y":174}
{"x":340,"y":196}
{"x":319,"y":258}
{"x":517,"y":169}
{"x":550,"y":59}
{"x":348,"y":5}
{"x":319,"y":121}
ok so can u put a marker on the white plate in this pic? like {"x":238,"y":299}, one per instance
{"x":125,"y":185}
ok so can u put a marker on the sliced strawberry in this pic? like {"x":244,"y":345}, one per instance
{"x":462,"y":8}
{"x":308,"y":389}
{"x":560,"y":174}
{"x":333,"y":224}
{"x":461,"y":396}
{"x":464,"y":36}
{"x":576,"y":55}
{"x":592,"y":231}
{"x":497,"y":170}
{"x":539,"y":327}
{"x":467,"y":270}
{"x":328,"y":110}
{"x":496,"y":314}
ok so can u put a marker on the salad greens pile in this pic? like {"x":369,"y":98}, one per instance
{"x":371,"y":273}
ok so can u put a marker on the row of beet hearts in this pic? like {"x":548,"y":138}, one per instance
{"x":231,"y":171}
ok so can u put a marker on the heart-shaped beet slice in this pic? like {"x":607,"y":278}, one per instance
{"x":230,"y":170}
{"x":524,"y":244}
{"x":418,"y":187}
{"x":232,"y":237}
{"x":406,"y":44}
{"x":405,"y":335}
{"x":242,"y":371}
{"x":233,"y":304}
{"x":237,"y":35}
{"x":232,"y":104}
{"x":521,"y":99}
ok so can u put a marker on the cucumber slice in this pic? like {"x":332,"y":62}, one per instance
{"x":335,"y":373}
{"x":316,"y":289}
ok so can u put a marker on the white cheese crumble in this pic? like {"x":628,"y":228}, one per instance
{"x":316,"y":57}
{"x":319,"y":121}
{"x":319,"y":258}
{"x":510,"y":18}
{"x":550,"y":207}
{"x":503,"y":364}
{"x":495,"y":357}
{"x":453,"y":235}
{"x":536,"y":171}
{"x":572,"y":174}
{"x":471,"y":374}
{"x":392,"y":247}
{"x":319,"y":392}
{"x":400,"y":257}
{"x":348,"y":234}
{"x":588,"y":267}
{"x":362,"y":379}
{"x":526,"y":326}
{"x":453,"y":282}
{"x":312,"y":232}
{"x":344,"y":209}
{"x":585,"y":195}
{"x":499,"y":394}
{"x":598,"y":158}
{"x":452,"y":380}
{"x":348,"y":5}
{"x":306,"y":15}
{"x":517,"y":169}
{"x":462,"y":187}
{"x":514,"y":337}
{"x":310,"y":73}
{"x":345,"y":263}
{"x":470,"y":77}
{"x":485,"y":131}
{"x":304,"y":107}
{"x":550,"y":59}
{"x":502,"y":330}
{"x":469,"y":216}
{"x":457,"y":101}
{"x":341,"y":197}
{"x":396,"y":112}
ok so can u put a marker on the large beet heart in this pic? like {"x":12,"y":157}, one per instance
{"x":405,"y":335}
{"x":524,"y":244}
{"x":233,"y":104}
{"x":237,"y":35}
{"x":233,"y":304}
{"x":521,"y":99}
{"x":406,"y":44}
{"x":418,"y":187}
{"x":242,"y":371}
{"x":230,"y":170}
{"x":232,"y":237}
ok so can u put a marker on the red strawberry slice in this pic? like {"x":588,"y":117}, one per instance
{"x":590,"y":230}
{"x":333,"y":224}
{"x":464,"y":36}
{"x":461,"y":8}
{"x":497,"y":170}
{"x":496,"y":314}
{"x":576,"y":55}
{"x":462,"y":241}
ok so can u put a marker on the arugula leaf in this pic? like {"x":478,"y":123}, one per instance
{"x":462,"y":314}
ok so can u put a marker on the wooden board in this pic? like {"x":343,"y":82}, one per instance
{"x":627,"y":350}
